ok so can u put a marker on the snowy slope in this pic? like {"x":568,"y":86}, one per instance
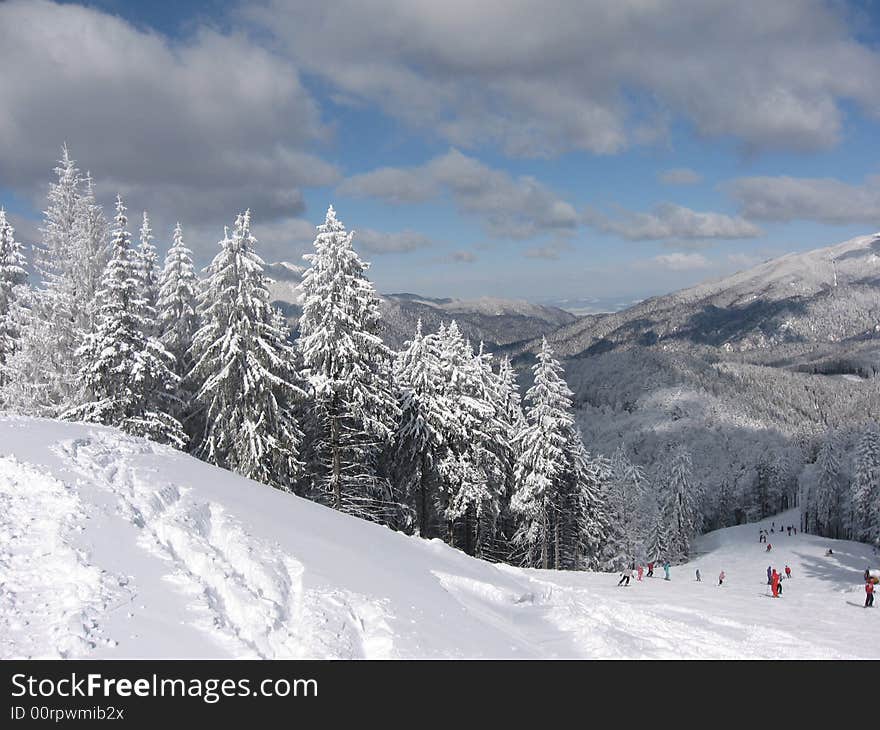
{"x":114,"y":547}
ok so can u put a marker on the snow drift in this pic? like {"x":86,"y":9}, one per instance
{"x":111,"y":546}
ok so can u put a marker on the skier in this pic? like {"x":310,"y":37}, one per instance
{"x":651,"y":569}
{"x":639,"y":572}
{"x":787,"y":572}
{"x":769,"y":574}
{"x":828,"y":552}
{"x":774,"y":584}
{"x":666,"y":570}
{"x":721,"y":577}
{"x":869,"y":594}
{"x":625,"y":576}
{"x":769,"y":546}
{"x":699,"y":580}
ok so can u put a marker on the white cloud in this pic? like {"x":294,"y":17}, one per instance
{"x":825,"y":200}
{"x":511,"y":207}
{"x":195,"y":129}
{"x":672,"y":221}
{"x":540,"y":77}
{"x":680,"y":176}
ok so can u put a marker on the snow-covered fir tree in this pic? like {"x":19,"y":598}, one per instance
{"x":13,"y":290}
{"x":681,"y":506}
{"x":622,"y":497}
{"x":827,"y":498}
{"x":552,"y":469}
{"x":42,"y":374}
{"x":471,"y":473}
{"x":424,"y":421}
{"x":348,"y":368}
{"x":177,"y":310}
{"x":245,"y":369}
{"x":148,"y":276}
{"x":93,"y":252}
{"x":866,"y":486}
{"x":125,"y":376}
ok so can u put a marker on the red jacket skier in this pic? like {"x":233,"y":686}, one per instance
{"x":869,"y":594}
{"x":774,"y":583}
{"x":787,"y":572}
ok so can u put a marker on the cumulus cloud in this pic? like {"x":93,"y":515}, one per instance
{"x":680,"y":176}
{"x":672,"y":221}
{"x":539,"y":77}
{"x":825,"y":200}
{"x":195,"y":129}
{"x":463,"y":257}
{"x":510,"y":207}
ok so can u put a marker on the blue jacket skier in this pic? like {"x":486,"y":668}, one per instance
{"x":666,"y":570}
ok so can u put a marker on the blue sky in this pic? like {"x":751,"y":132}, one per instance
{"x":550,"y":151}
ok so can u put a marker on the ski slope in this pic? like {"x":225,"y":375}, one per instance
{"x":113,"y":547}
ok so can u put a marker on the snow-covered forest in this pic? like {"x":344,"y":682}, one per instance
{"x":441,"y":439}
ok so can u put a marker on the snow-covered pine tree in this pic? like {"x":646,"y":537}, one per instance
{"x":348,"y":368}
{"x":828,"y":488}
{"x":680,"y":509}
{"x":419,"y":443}
{"x":13,"y":290}
{"x":42,"y":374}
{"x":246,"y":369}
{"x":93,"y":252}
{"x":622,"y":496}
{"x":146,"y":266}
{"x":125,"y":373}
{"x":866,"y":486}
{"x":177,"y":306}
{"x":511,"y":419}
{"x":582,"y":522}
{"x":552,"y":469}
{"x":658,"y":538}
{"x":471,"y":474}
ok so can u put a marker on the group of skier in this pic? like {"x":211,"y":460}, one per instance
{"x":627,"y":573}
{"x":774,"y":579}
{"x":763,"y":534}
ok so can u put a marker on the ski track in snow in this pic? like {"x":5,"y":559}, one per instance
{"x":250,"y":593}
{"x":52,"y":598}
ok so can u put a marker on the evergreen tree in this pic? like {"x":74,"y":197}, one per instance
{"x":866,"y":486}
{"x":622,"y":495}
{"x":553,"y":469}
{"x":125,"y":374}
{"x":681,"y":507}
{"x":828,"y":486}
{"x":42,"y":374}
{"x":177,"y":306}
{"x":147,"y":275}
{"x":420,"y":441}
{"x":245,"y":369}
{"x":470,"y":471}
{"x":13,"y":290}
{"x":93,"y":252}
{"x":348,"y":368}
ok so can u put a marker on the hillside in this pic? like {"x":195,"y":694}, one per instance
{"x":116,"y":547}
{"x":809,"y":302}
{"x":496,"y":322}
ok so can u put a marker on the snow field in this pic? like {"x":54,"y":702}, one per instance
{"x":116,"y":547}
